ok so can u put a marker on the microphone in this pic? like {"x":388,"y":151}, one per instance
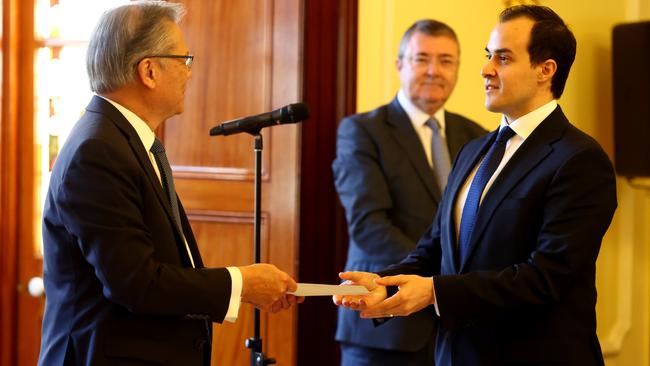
{"x":291,"y":113}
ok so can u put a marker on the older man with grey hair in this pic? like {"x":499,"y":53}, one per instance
{"x":124,"y":278}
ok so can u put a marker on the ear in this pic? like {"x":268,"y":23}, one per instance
{"x":399,"y":63}
{"x":147,"y":72}
{"x":546,"y":71}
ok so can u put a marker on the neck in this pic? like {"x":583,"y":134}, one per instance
{"x":136,"y":103}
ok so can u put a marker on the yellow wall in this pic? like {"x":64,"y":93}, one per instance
{"x":624,"y":264}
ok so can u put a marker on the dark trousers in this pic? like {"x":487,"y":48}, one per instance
{"x":352,"y":355}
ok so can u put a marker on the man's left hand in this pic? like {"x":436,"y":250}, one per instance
{"x":415,"y":293}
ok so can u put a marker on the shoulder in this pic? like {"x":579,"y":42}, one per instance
{"x":372,"y":124}
{"x":465,"y":123}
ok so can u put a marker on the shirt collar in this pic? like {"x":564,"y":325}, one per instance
{"x":416,"y":115}
{"x":143,"y":130}
{"x":526,"y":124}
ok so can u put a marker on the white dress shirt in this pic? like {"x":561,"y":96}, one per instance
{"x":419,"y":120}
{"x":147,"y":138}
{"x":523,"y":127}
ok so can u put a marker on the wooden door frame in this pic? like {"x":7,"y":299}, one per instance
{"x":330,"y":62}
{"x":8,"y":185}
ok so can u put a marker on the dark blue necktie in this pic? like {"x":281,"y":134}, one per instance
{"x":158,"y":151}
{"x":483,"y":175}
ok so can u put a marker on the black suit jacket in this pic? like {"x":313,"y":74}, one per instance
{"x":118,"y":281}
{"x":525,"y":293}
{"x":390,"y":196}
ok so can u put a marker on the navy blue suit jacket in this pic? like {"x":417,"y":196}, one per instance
{"x":390,"y":196}
{"x":525,"y":293}
{"x":117,"y":279}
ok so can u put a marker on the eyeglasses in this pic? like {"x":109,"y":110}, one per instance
{"x":421,"y":61}
{"x":188,"y":58}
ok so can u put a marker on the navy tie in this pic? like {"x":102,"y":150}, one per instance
{"x":483,"y":175}
{"x":158,"y":151}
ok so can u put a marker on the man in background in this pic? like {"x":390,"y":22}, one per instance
{"x":124,"y":280}
{"x":509,"y":263}
{"x":390,"y":171}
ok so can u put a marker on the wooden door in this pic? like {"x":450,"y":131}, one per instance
{"x":248,"y":61}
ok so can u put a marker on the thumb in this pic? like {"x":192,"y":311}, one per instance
{"x":389,"y":281}
{"x":351,"y":276}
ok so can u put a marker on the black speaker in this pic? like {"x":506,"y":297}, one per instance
{"x":631,"y":73}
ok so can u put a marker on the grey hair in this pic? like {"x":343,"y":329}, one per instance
{"x":125,"y":35}
{"x":429,"y":27}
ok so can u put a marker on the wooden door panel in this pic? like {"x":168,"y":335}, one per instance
{"x":247,"y":62}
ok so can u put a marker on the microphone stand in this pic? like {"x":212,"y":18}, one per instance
{"x":255,"y":342}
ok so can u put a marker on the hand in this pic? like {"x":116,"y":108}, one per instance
{"x":265,"y":286}
{"x":415,"y":293}
{"x":359,"y":302}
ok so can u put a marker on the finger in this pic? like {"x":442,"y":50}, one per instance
{"x":383,"y":308}
{"x":292,"y":285}
{"x":337,"y":299}
{"x":285,"y":302}
{"x":277,"y":306}
{"x":352,"y":276}
{"x":391,"y":281}
{"x":300,"y":299}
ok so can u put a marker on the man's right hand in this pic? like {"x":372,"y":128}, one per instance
{"x":265,"y":287}
{"x":356,"y":302}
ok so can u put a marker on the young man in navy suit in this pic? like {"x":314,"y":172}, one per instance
{"x":509,"y":263}
{"x":124,"y":278}
{"x":390,"y":170}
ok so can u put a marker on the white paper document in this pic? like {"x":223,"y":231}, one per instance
{"x":314,"y":289}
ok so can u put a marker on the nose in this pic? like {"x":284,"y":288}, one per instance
{"x":433,"y":67}
{"x":487,"y":70}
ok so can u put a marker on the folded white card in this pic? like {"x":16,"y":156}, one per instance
{"x":314,"y":289}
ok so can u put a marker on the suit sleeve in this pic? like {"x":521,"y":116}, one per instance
{"x":364,"y":193}
{"x":576,"y":209}
{"x":100,"y":201}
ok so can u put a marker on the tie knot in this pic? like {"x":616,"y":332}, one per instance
{"x":433,"y":124}
{"x":157,"y":147}
{"x":504,"y":135}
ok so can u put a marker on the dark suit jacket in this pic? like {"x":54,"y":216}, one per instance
{"x":390,"y":196}
{"x":525,"y":293}
{"x":117,"y":278}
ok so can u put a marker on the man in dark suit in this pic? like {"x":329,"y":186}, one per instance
{"x":390,"y":171}
{"x":509,"y":263}
{"x":124,"y":280}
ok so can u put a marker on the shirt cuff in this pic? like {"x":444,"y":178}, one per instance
{"x":235,"y":294}
{"x":435,"y":302}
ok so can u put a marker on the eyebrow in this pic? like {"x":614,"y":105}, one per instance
{"x":498,"y":50}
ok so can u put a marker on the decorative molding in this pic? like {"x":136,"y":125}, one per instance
{"x":217,"y":173}
{"x":225,"y":216}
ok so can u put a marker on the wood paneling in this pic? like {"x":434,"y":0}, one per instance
{"x":248,"y":61}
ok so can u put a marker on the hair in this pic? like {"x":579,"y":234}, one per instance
{"x":429,"y":27}
{"x":125,"y":35}
{"x":550,"y":38}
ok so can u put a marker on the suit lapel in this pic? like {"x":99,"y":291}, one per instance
{"x":534,"y":150}
{"x":99,"y":105}
{"x":405,"y":136}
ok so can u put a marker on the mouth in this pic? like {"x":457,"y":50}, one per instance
{"x":490,"y":87}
